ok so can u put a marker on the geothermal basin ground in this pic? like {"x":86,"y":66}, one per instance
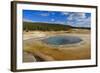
{"x":37,"y":48}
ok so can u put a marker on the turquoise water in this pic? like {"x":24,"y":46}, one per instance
{"x":62,"y":40}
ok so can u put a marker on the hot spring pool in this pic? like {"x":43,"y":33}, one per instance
{"x":62,"y":40}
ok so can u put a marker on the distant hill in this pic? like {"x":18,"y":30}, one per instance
{"x":48,"y":26}
{"x":82,"y":28}
{"x":44,"y":26}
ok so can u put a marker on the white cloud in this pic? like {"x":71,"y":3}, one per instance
{"x":44,"y":14}
{"x":27,"y":20}
{"x":79,"y":19}
{"x":65,"y":13}
{"x":81,"y":15}
{"x":52,"y":20}
{"x":86,"y":22}
{"x":53,"y":13}
{"x":77,"y":16}
{"x":60,"y":22}
{"x":71,"y":17}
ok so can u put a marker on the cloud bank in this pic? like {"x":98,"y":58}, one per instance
{"x":78,"y":19}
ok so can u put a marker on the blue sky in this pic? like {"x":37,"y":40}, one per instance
{"x":77,"y":19}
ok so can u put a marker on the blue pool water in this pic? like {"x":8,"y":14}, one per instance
{"x":62,"y":40}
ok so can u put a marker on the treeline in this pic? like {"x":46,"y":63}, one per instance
{"x":82,"y":28}
{"x":29,"y":26}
